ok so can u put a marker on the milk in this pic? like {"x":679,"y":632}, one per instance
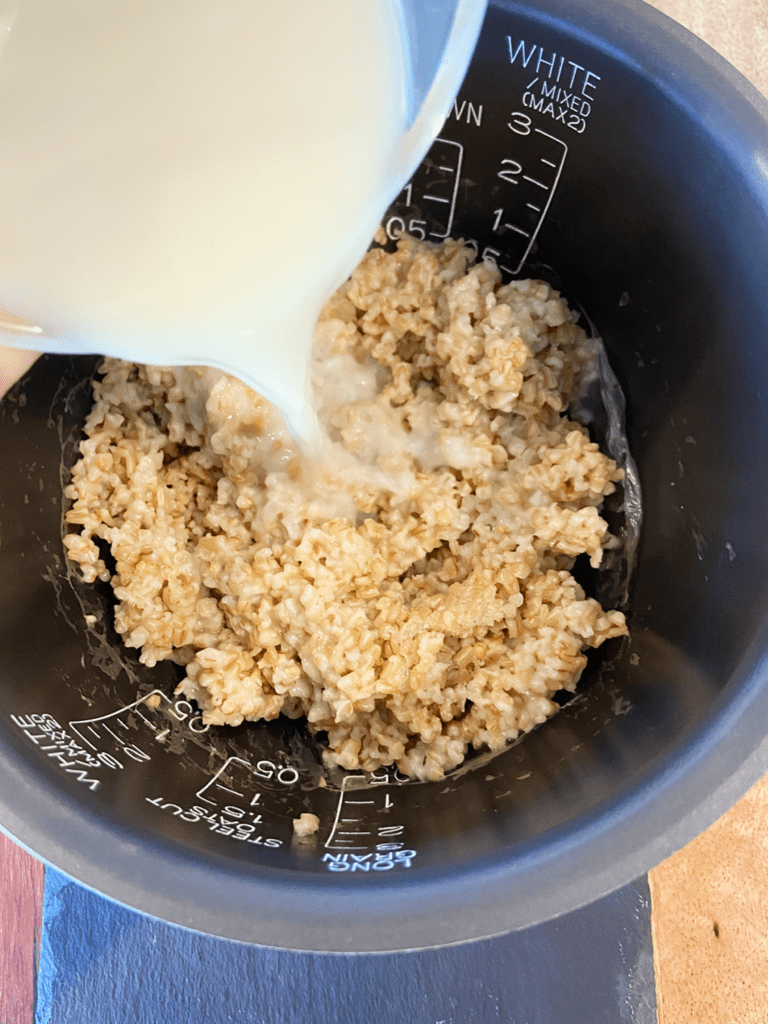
{"x":186,"y":181}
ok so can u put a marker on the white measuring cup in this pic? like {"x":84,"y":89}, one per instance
{"x":187,"y":183}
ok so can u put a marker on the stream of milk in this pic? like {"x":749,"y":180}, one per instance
{"x":186,"y":182}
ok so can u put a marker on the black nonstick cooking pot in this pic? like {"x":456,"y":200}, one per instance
{"x":602,"y":147}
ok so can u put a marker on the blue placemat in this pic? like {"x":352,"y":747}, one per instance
{"x":105,"y":964}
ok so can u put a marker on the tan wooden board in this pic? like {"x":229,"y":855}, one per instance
{"x":709,"y":921}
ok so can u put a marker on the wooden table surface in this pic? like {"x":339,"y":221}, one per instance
{"x":687,"y":944}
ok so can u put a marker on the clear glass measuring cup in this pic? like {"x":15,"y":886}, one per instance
{"x":190,"y":183}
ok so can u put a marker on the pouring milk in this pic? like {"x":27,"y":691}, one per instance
{"x":186,"y":182}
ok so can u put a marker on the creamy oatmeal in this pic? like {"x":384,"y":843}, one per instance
{"x":408,"y":588}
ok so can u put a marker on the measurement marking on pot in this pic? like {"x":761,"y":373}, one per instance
{"x":385,"y":857}
{"x":435,"y":182}
{"x":98,"y":726}
{"x":242,"y":773}
{"x":155,"y":705}
{"x":234,"y":792}
{"x":227,"y":821}
{"x":372,"y":824}
{"x":526,"y":167}
{"x":47,"y":734}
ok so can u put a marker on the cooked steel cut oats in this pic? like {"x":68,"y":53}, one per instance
{"x":409,"y":590}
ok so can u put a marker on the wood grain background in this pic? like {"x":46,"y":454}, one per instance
{"x":21,"y":913}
